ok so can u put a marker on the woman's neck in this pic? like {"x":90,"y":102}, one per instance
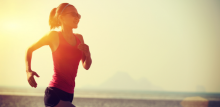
{"x":67,"y":32}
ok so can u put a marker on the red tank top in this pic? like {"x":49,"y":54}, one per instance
{"x":66,"y":60}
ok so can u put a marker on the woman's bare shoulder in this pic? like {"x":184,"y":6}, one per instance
{"x":52,"y":34}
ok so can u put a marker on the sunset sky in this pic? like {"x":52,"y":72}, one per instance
{"x":175,"y":45}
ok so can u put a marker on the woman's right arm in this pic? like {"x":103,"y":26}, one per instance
{"x":45,"y":40}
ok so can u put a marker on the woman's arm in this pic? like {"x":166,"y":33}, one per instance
{"x":30,"y":74}
{"x":43,"y":41}
{"x":86,"y":59}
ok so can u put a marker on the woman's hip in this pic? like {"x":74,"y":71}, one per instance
{"x":53,"y":95}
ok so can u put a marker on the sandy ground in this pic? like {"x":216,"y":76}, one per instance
{"x":37,"y":101}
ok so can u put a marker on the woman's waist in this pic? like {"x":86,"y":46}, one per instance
{"x":63,"y":86}
{"x":67,"y":80}
{"x":64,"y":75}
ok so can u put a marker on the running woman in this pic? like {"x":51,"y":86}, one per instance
{"x":67,"y":49}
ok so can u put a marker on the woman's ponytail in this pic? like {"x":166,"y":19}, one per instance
{"x":53,"y":22}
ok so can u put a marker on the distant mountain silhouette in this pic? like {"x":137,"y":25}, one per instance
{"x":123,"y":81}
{"x":119,"y":81}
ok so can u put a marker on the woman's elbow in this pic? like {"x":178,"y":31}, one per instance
{"x":86,"y":67}
{"x":28,"y":50}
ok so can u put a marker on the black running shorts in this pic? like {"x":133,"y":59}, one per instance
{"x":53,"y":95}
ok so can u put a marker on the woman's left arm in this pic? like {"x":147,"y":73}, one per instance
{"x":86,"y":59}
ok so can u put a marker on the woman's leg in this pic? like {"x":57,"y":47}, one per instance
{"x":64,"y":104}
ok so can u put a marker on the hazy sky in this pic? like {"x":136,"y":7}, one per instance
{"x":174,"y":44}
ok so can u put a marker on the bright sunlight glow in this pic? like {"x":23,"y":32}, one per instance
{"x":12,"y":26}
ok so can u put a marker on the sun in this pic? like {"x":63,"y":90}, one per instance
{"x":12,"y":25}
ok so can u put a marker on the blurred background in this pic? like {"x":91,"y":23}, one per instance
{"x":136,"y":45}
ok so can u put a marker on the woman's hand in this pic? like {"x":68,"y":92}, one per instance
{"x":85,"y":49}
{"x":30,"y":78}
